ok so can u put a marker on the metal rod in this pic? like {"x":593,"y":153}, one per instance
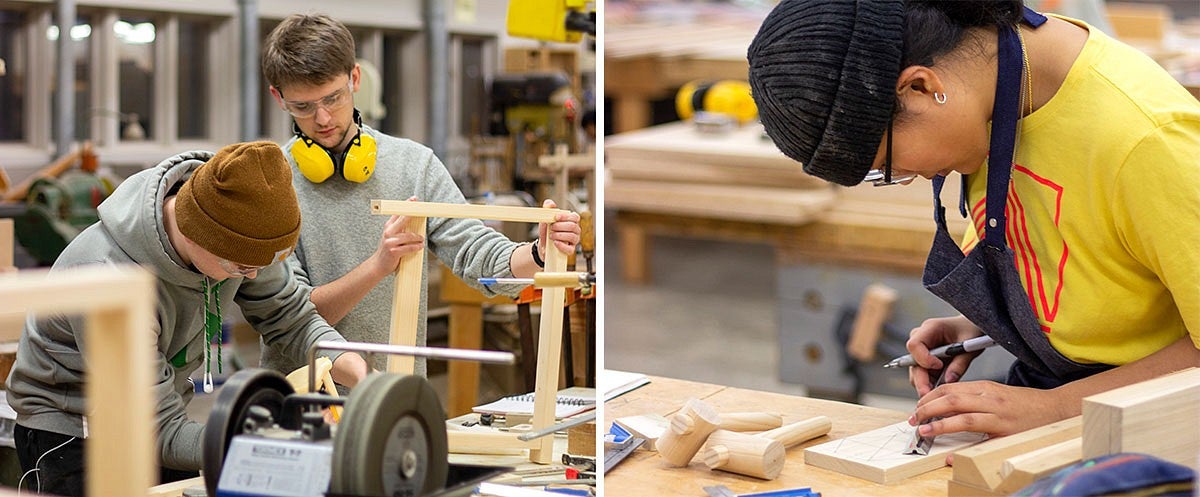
{"x":488,"y":356}
{"x":576,"y":421}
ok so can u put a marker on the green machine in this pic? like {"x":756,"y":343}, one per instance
{"x":56,"y":210}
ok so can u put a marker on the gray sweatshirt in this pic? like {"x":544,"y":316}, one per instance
{"x":339,"y":233}
{"x":46,"y":383}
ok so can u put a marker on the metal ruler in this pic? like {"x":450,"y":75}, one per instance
{"x":620,"y":452}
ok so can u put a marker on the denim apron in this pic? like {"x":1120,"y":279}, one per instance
{"x":985,"y":286}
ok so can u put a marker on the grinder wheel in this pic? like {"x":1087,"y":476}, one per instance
{"x":243,"y":390}
{"x":392,"y":440}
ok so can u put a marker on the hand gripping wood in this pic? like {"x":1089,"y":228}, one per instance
{"x":762,"y":455}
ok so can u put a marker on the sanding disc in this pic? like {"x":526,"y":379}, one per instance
{"x":392,"y":440}
{"x":243,"y":390}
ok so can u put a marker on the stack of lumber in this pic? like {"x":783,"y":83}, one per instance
{"x":740,"y":176}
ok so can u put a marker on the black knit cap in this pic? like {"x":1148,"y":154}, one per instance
{"x":823,"y":74}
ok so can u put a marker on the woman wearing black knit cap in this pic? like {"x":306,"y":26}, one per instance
{"x":1081,"y":170}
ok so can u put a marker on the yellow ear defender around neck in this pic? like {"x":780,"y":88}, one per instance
{"x":318,"y":163}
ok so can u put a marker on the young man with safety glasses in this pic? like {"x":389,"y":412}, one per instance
{"x":216,"y":230}
{"x":349,"y":255}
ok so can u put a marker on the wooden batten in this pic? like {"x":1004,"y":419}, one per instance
{"x":1021,"y":470}
{"x":980,"y":466}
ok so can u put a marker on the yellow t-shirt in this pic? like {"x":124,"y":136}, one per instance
{"x":1104,"y":208}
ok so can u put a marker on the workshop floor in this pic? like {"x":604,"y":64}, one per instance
{"x":709,"y":314}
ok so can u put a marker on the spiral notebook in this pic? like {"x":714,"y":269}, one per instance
{"x":570,"y":402}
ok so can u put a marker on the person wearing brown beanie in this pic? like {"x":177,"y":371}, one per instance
{"x":215,"y":229}
{"x":348,"y":255}
{"x":1077,"y":154}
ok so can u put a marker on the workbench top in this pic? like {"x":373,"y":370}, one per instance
{"x":645,"y":473}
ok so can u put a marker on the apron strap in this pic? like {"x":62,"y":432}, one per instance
{"x":1005,"y":112}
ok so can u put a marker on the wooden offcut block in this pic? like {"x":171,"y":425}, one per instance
{"x":581,"y":440}
{"x":878,"y":455}
{"x":1157,"y":417}
{"x":980,"y":466}
{"x":648,"y":427}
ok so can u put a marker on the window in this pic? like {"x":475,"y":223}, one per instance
{"x":135,"y":39}
{"x":393,"y":82}
{"x":14,"y":53}
{"x":192,"y":86}
{"x":473,"y":110}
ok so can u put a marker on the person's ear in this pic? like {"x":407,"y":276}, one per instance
{"x":355,"y":77}
{"x":278,"y":96}
{"x":919,"y":87}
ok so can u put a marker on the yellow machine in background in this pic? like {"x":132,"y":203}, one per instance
{"x":728,"y":98}
{"x":551,"y":20}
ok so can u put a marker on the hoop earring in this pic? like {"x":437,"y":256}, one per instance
{"x":940,"y":98}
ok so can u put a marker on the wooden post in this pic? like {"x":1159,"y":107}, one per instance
{"x":689,"y":429}
{"x":6,"y":244}
{"x":549,"y":356}
{"x":406,"y":303}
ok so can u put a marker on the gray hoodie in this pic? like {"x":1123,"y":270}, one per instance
{"x":46,"y":383}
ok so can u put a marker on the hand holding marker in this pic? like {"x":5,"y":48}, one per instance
{"x":945,"y":351}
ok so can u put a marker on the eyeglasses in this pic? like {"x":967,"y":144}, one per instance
{"x":883,"y":177}
{"x":237,"y":269}
{"x":330,"y":102}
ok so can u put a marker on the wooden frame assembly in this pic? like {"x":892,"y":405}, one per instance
{"x":118,"y":305}
{"x":406,"y":303}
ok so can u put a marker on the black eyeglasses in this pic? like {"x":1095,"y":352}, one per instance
{"x":883,"y":176}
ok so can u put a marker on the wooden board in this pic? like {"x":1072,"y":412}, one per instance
{"x":1156,"y":417}
{"x":878,"y":455}
{"x":982,"y":464}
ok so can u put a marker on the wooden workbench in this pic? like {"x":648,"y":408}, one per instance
{"x":645,"y":473}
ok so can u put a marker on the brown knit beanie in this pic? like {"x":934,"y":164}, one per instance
{"x":240,"y":205}
{"x":823,"y":74}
